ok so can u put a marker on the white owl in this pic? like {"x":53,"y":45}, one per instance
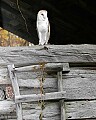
{"x":43,"y":27}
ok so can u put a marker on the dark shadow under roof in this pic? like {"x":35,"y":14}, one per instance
{"x":72,"y":21}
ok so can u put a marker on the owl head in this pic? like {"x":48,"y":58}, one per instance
{"x":42,"y":15}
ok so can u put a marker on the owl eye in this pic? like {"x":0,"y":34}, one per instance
{"x":42,"y":14}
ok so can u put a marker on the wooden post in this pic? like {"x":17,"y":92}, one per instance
{"x":15,"y":85}
{"x":60,"y":88}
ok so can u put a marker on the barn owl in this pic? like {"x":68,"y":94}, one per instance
{"x":43,"y":27}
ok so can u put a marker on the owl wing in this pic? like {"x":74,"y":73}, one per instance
{"x":48,"y":34}
{"x":37,"y":28}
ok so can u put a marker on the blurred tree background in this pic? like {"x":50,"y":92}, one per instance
{"x":9,"y":39}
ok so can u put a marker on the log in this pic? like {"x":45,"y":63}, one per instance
{"x":81,"y":110}
{"x":31,"y":111}
{"x":74,"y":110}
{"x":24,"y":56}
{"x":79,"y":83}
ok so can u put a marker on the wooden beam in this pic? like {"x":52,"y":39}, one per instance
{"x":15,"y":13}
{"x":14,"y":16}
{"x":6,"y":20}
{"x":24,"y":7}
{"x":20,"y":28}
{"x":24,"y":56}
{"x":8,"y":8}
{"x":75,"y":110}
{"x":12,"y":3}
{"x":11,"y":17}
{"x":78,"y":110}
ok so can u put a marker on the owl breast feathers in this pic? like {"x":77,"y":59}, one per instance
{"x":43,"y":27}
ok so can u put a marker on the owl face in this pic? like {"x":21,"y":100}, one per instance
{"x":42,"y":15}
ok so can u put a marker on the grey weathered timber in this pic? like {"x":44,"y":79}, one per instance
{"x":2,"y":95}
{"x":7,"y":107}
{"x":15,"y":86}
{"x":22,"y":56}
{"x":45,"y":66}
{"x":81,"y":109}
{"x":79,"y":82}
{"x":75,"y":110}
{"x":66,"y":67}
{"x":32,"y":111}
{"x":60,"y":88}
{"x":37,"y":97}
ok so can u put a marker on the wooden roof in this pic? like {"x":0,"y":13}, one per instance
{"x":71,"y":21}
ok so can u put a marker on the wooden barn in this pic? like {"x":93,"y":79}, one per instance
{"x":52,"y":82}
{"x":67,"y":90}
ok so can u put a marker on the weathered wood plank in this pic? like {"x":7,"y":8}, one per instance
{"x":31,"y":111}
{"x":81,"y":109}
{"x":74,"y":110}
{"x":45,"y":66}
{"x":21,"y":56}
{"x":79,"y":83}
{"x":37,"y":97}
{"x":6,"y":107}
{"x":25,"y":79}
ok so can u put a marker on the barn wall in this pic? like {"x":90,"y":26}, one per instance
{"x":79,"y":83}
